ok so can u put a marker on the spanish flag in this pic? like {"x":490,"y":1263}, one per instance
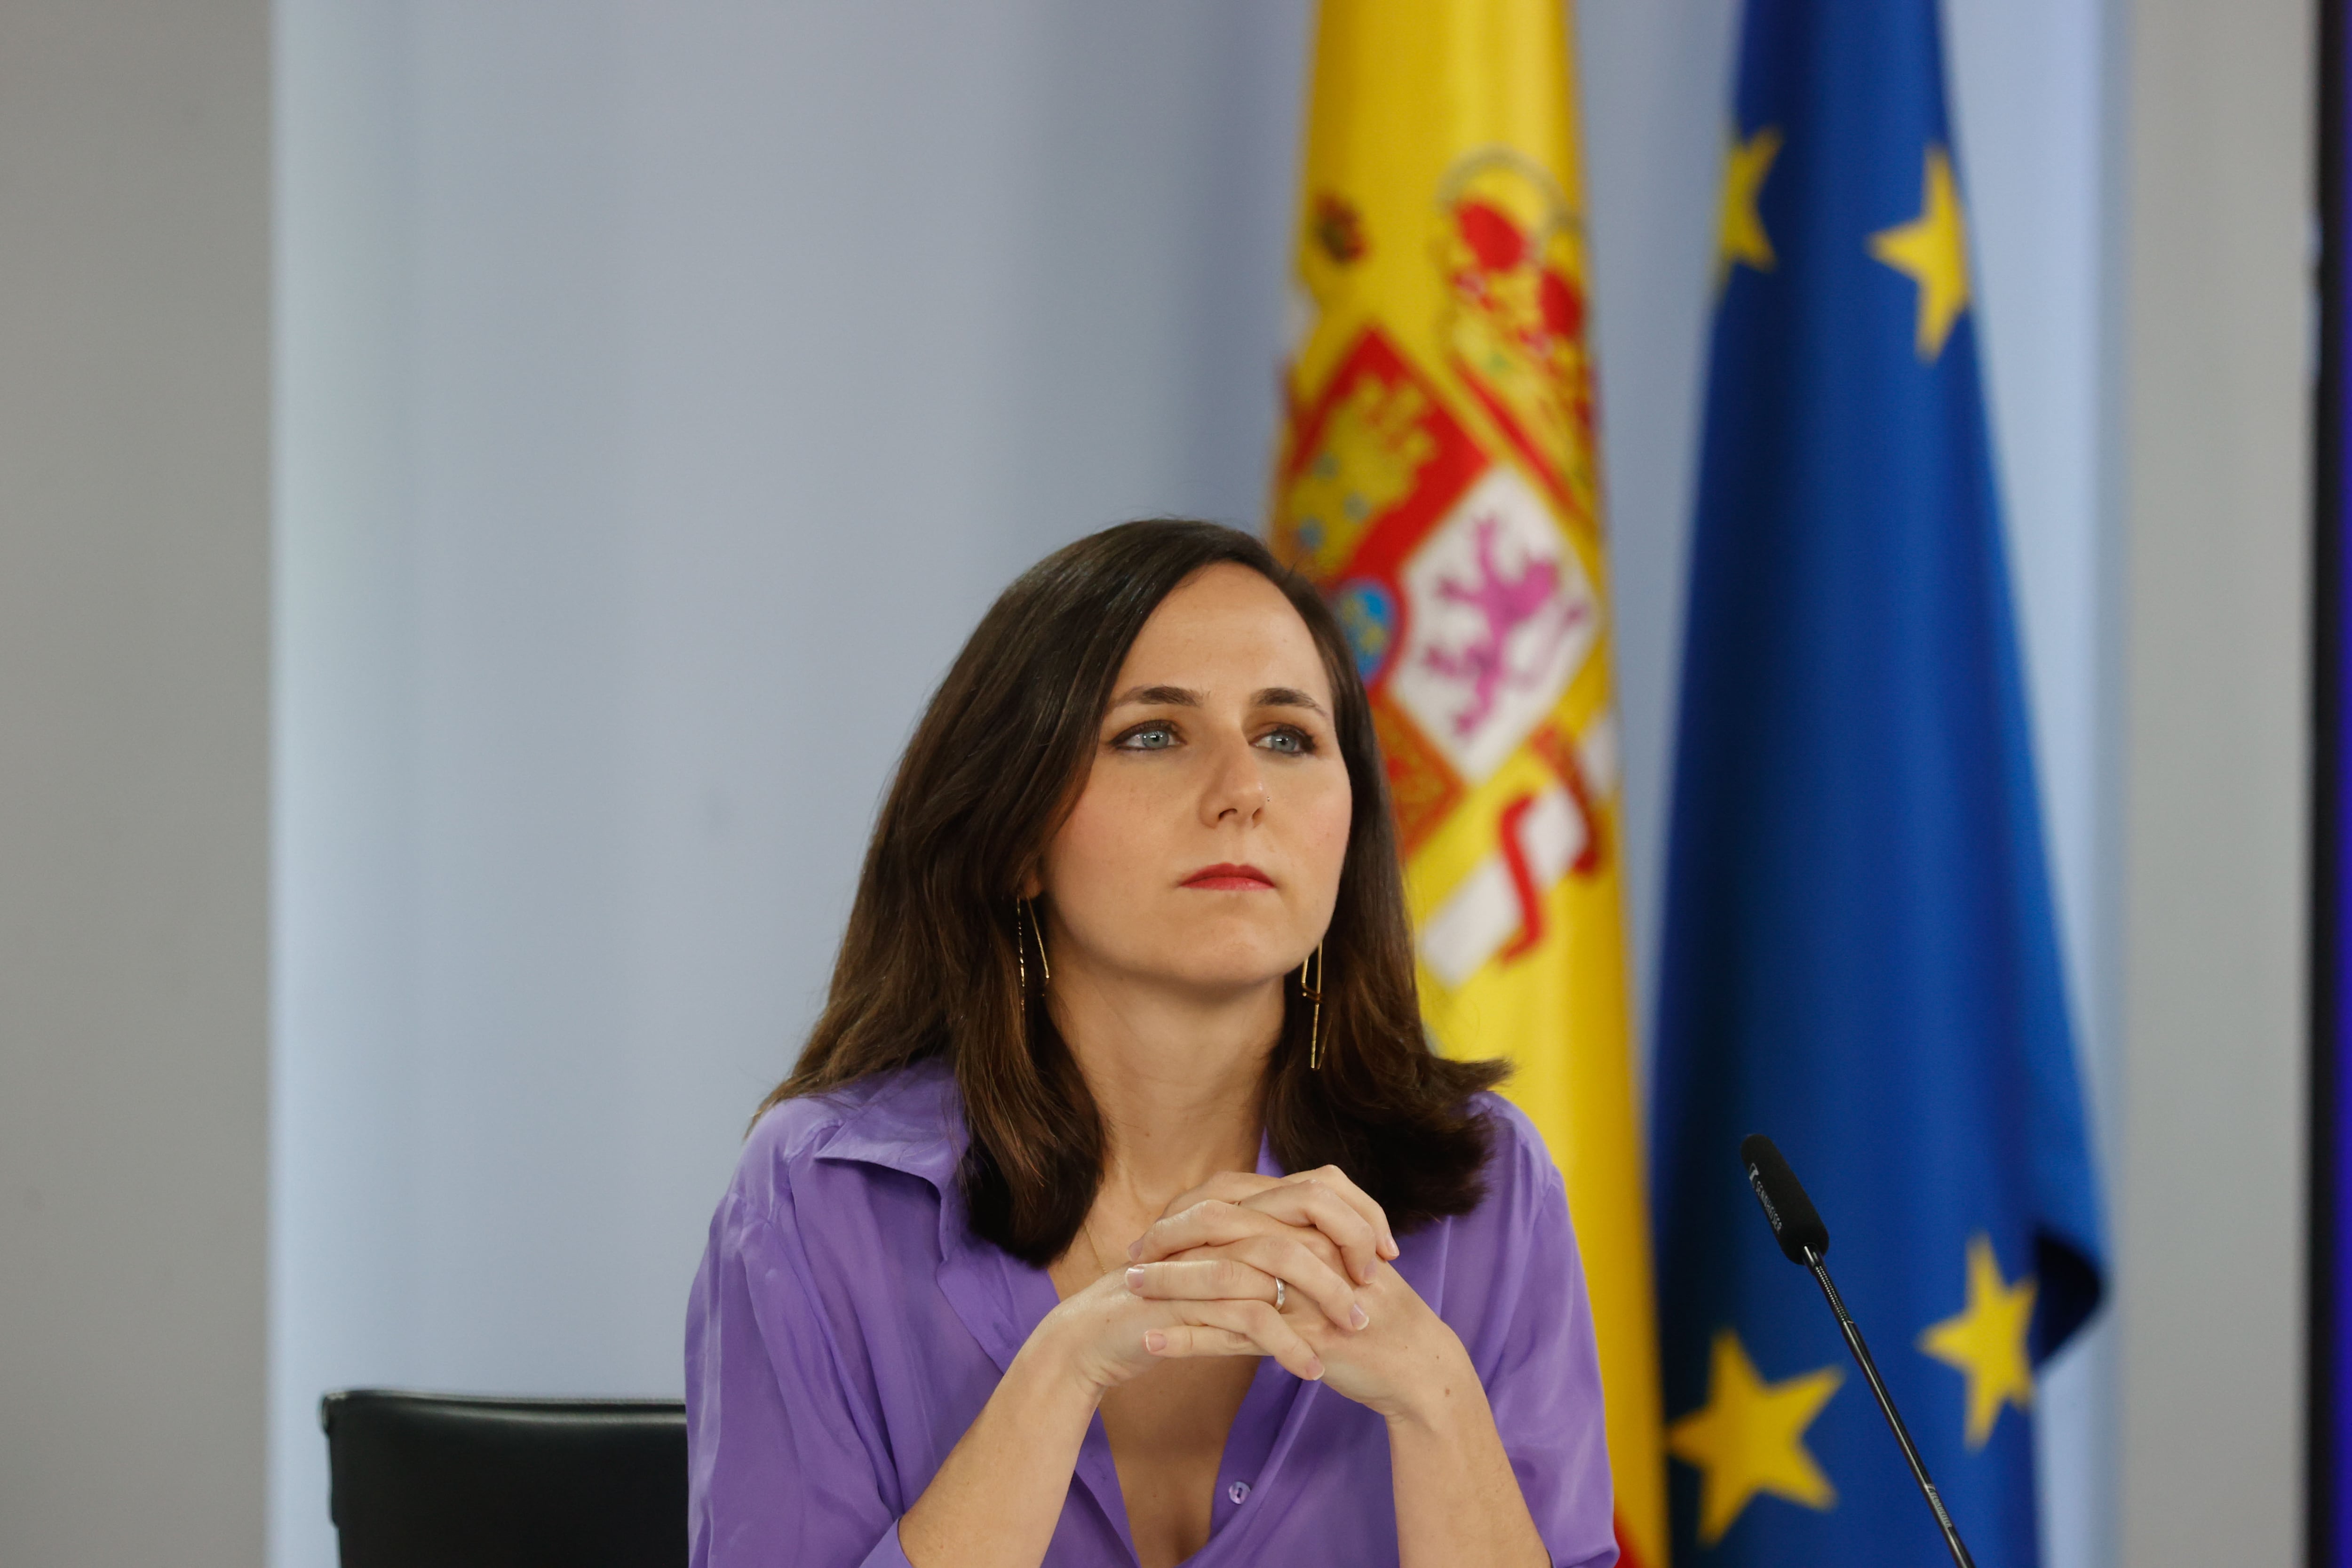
{"x":1439,"y":479}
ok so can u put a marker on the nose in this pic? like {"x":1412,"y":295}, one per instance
{"x":1236,"y":785}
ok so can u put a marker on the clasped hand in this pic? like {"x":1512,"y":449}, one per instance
{"x":1203,"y":1281}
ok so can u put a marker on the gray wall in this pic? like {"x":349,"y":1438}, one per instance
{"x":135,"y":645}
{"x":2218,"y":520}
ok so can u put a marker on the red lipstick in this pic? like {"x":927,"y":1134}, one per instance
{"x":1230,"y":879}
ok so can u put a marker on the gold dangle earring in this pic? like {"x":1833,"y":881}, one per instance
{"x":1020,"y":947}
{"x":1043,"y":962}
{"x":1314,"y":995}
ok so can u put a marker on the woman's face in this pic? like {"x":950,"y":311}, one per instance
{"x":1204,"y":850}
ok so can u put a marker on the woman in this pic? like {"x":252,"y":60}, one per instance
{"x":1117,"y":1211}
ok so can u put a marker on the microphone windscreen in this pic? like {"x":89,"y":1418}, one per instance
{"x":1796,"y":1225}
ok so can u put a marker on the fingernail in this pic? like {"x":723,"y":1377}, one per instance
{"x":1155,"y":1341}
{"x":1364,"y":1275}
{"x":1135,"y":1249}
{"x":1135,"y":1279}
{"x":1315,"y":1371}
{"x":1390,"y":1248}
{"x":1358,"y":1317}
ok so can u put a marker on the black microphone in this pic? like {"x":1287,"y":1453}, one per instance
{"x":1797,"y":1226}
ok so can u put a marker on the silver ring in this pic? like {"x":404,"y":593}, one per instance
{"x":1281,"y":1294}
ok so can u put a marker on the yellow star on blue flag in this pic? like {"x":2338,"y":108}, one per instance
{"x":1986,"y":1341}
{"x":1932,"y":250}
{"x":1750,"y":1437}
{"x":1741,"y":239}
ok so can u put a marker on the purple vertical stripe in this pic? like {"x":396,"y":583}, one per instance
{"x":2335,"y":1546}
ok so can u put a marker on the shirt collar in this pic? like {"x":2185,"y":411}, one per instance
{"x":913,"y":1122}
{"x":910,"y":1121}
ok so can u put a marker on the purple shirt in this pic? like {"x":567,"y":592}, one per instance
{"x":847,"y":1326}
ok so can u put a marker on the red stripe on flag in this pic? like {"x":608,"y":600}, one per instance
{"x":1523,"y":879}
{"x":1626,"y":1557}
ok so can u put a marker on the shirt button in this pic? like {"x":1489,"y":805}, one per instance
{"x":1238,"y":1491}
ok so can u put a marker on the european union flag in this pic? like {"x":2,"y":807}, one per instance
{"x":1860,"y":956}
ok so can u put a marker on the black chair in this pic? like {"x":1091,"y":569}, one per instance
{"x":435,"y":1480}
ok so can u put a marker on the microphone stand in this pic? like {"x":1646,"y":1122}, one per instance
{"x":1886,"y":1405}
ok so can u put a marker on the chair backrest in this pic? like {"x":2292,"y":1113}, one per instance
{"x":430,"y":1481}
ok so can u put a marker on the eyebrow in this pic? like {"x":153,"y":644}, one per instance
{"x":1184,"y":697}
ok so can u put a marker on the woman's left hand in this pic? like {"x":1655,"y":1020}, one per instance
{"x":1404,"y":1362}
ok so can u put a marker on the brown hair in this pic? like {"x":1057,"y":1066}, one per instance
{"x":931,"y":965}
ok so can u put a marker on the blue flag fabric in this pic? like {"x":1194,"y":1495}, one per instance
{"x":1860,"y":956}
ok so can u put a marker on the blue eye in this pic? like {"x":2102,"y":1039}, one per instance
{"x":1148,"y":738}
{"x":1289,"y":741}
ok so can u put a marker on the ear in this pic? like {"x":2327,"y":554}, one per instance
{"x":1033,"y":884}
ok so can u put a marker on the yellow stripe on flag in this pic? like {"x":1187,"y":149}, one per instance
{"x":1439,"y":478}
